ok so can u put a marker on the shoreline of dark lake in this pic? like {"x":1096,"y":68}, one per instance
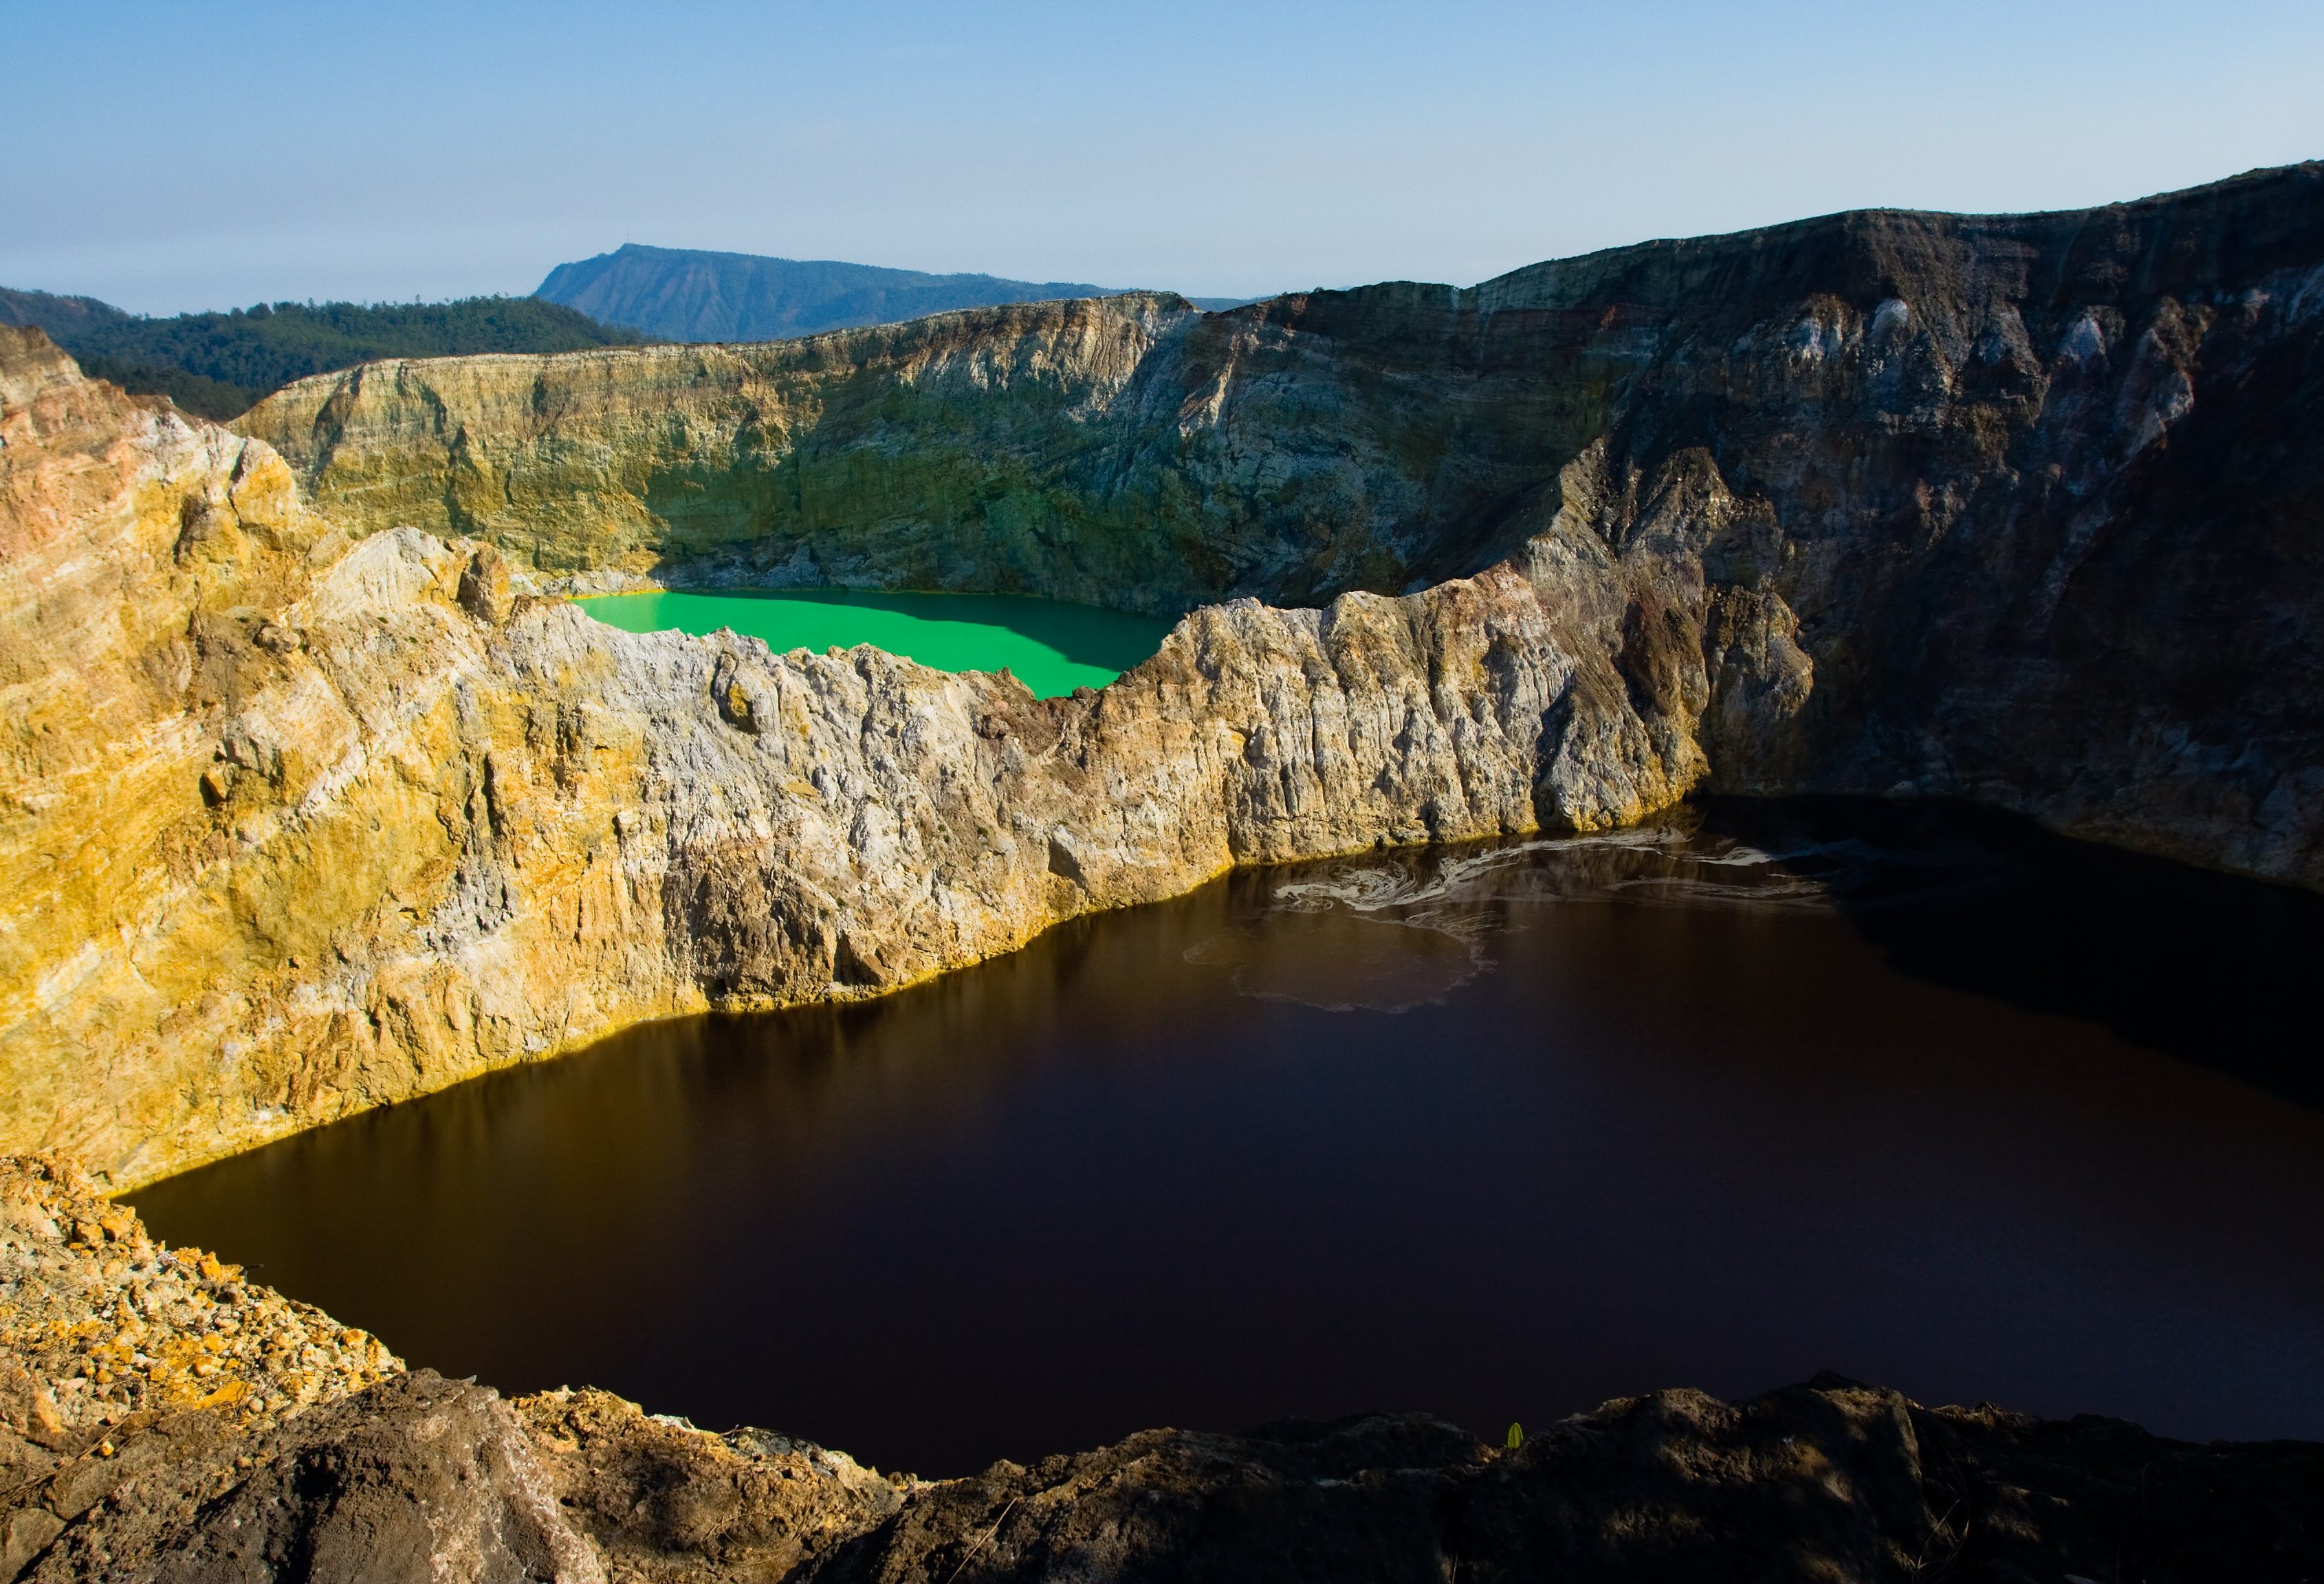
{"x":1913,"y":1092}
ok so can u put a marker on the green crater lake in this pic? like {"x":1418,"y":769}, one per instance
{"x":1050,"y":646}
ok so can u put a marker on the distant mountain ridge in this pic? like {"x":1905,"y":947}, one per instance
{"x":685,"y":294}
{"x":217,"y":364}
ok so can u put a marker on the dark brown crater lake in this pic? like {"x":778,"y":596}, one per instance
{"x":1496,"y":1133}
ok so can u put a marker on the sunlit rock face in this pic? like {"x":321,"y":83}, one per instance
{"x":311,"y":804}
{"x":302,"y":822}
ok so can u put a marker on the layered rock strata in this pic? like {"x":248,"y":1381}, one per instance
{"x":335,"y":1465}
{"x":2024,"y":509}
{"x":299,"y":824}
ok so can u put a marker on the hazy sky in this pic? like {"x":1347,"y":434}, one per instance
{"x":179,"y":156}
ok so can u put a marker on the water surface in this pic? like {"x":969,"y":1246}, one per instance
{"x":1051,"y":646}
{"x":1495,"y":1133}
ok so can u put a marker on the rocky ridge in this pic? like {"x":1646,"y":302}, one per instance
{"x":314,"y":1455}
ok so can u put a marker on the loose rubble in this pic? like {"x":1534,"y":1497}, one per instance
{"x":101,"y":1324}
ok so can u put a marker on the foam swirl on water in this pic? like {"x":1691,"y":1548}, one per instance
{"x":1388,"y":932}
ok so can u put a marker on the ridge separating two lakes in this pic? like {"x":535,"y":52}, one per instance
{"x":1052,"y":646}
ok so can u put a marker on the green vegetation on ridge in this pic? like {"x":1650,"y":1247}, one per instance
{"x":219,"y":364}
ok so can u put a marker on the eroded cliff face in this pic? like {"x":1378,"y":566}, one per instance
{"x":300,"y":823}
{"x":2023,"y":509}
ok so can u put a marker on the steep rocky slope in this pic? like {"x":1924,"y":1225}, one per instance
{"x":2024,"y":509}
{"x":309,"y":1453}
{"x":297,"y":824}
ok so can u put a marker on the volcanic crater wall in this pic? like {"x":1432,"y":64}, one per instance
{"x":306,"y":804}
{"x":2023,"y":509}
{"x":301,"y":821}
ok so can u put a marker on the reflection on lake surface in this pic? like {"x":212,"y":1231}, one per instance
{"x":1494,"y":1133}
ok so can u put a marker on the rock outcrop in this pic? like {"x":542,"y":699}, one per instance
{"x":300,"y":823}
{"x":2023,"y":509}
{"x":162,"y":1417}
{"x":132,"y":1373}
{"x":382,"y":1476}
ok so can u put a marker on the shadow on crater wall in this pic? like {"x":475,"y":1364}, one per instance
{"x":2211,"y":968}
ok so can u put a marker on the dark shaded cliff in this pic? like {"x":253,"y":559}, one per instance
{"x":2024,"y":509}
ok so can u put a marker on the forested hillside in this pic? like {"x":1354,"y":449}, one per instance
{"x":217,"y":364}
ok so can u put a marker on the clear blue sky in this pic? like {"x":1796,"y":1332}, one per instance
{"x":168,"y":157}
